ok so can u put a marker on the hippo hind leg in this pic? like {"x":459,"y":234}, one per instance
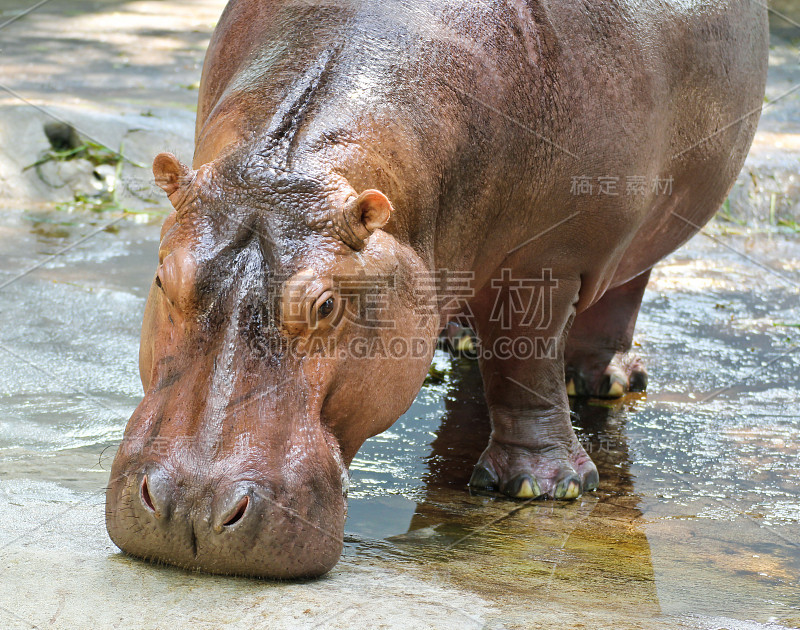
{"x":598,"y":361}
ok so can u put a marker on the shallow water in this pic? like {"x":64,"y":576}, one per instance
{"x":697,"y":522}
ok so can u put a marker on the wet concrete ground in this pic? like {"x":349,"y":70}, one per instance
{"x":696,"y":524}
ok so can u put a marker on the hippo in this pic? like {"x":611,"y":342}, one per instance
{"x":364,"y":173}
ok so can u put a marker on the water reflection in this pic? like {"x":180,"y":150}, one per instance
{"x":576,"y":554}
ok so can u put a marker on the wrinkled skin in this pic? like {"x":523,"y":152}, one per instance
{"x":385,"y":141}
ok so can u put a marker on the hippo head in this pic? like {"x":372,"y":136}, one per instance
{"x":283,"y":328}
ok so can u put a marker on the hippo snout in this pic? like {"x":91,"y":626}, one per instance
{"x":158,"y":496}
{"x":258,"y":528}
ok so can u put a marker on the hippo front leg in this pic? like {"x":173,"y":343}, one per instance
{"x":533,"y":450}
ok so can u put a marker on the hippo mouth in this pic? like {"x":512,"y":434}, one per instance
{"x":247,"y":528}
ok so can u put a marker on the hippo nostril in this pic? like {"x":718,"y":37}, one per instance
{"x":146,"y":498}
{"x":238,"y":512}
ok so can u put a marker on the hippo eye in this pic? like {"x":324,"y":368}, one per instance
{"x":326,"y":308}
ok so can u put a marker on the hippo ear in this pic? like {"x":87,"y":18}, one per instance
{"x":362,"y":216}
{"x":170,"y":174}
{"x":372,"y":209}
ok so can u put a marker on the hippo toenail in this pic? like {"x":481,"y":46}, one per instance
{"x":612,"y":386}
{"x":523,"y":488}
{"x":465,"y":344}
{"x":616,"y":390}
{"x":638,"y":382}
{"x":483,"y":478}
{"x":591,"y":480}
{"x":569,"y":488}
{"x":571,"y":388}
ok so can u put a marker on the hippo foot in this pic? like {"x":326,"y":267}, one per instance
{"x":555,"y":472}
{"x":598,"y":379}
